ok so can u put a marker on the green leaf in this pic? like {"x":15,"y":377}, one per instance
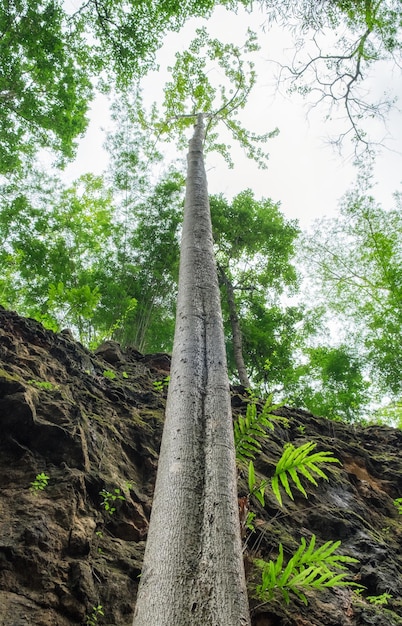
{"x":299,"y":460}
{"x":251,"y":476}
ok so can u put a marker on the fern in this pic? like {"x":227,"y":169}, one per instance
{"x":249,"y":430}
{"x":307,"y":569}
{"x":295,"y":461}
{"x":257,"y":490}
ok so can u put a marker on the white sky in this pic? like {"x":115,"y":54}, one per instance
{"x":304,"y":173}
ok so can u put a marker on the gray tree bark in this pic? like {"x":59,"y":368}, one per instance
{"x":193,"y":572}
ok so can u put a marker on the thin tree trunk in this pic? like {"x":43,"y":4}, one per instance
{"x":236,"y":332}
{"x":193,"y":571}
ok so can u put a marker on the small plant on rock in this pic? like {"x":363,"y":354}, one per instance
{"x":42,"y":384}
{"x":380,"y":600}
{"x":159,"y":385}
{"x":110,"y":374}
{"x":398,"y":504}
{"x":309,"y":568}
{"x":92,"y":619}
{"x":109,"y":498}
{"x":299,"y":461}
{"x":40,"y":482}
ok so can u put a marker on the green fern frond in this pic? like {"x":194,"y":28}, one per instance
{"x":307,"y":569}
{"x":248,"y":431}
{"x":295,"y":461}
{"x":257,"y":490}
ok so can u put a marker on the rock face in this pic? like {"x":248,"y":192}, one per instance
{"x":92,"y":423}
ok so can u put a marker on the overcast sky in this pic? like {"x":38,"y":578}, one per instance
{"x":305,"y":174}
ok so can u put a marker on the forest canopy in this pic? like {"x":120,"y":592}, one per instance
{"x":100,"y":255}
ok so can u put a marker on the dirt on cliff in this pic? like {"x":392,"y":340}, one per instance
{"x":91,"y":423}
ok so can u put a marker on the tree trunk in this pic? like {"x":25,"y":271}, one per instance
{"x":193,"y":571}
{"x":236,"y":332}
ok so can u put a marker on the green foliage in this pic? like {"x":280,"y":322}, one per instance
{"x":126,"y":35}
{"x":51,"y":55}
{"x":109,"y":498}
{"x":249,"y":523}
{"x":307,"y":569}
{"x":68,"y":260}
{"x":57,"y":245}
{"x":256,"y":489}
{"x":398,"y":504}
{"x":110,"y":374}
{"x":380,"y":600}
{"x":251,"y":429}
{"x":44,"y":92}
{"x":331,"y":382}
{"x":92,"y":619}
{"x":356,"y":260}
{"x":390,"y":414}
{"x":194,"y":91}
{"x":159,"y":385}
{"x":295,"y":461}
{"x":40,"y":483}
{"x":255,"y":248}
{"x":147,"y":244}
{"x":42,"y":384}
{"x":254,"y":235}
{"x":310,"y":568}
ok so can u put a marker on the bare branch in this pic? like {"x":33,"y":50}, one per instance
{"x":336,"y":79}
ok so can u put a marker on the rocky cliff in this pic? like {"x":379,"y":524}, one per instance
{"x":90,"y":425}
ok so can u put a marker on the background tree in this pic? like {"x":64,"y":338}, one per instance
{"x":152,"y":251}
{"x":254,"y":247}
{"x":329,"y":381}
{"x":355,"y":260}
{"x":149,"y":207}
{"x":57,"y":244}
{"x":70,"y":257}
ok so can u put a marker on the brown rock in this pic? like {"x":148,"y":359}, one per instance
{"x":61,"y":553}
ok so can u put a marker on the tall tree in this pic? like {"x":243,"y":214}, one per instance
{"x":193,"y":568}
{"x":193,"y":565}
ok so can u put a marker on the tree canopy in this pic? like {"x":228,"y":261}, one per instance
{"x":101,"y":254}
{"x":356,"y":259}
{"x":44,"y":93}
{"x":52,"y":54}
